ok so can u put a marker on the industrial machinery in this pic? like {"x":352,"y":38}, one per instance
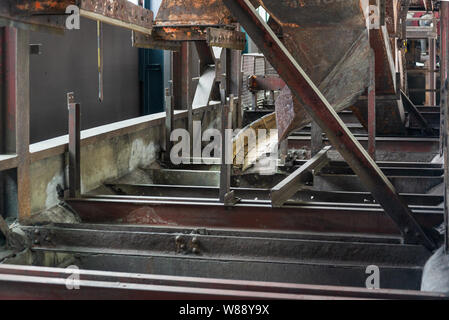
{"x":359,"y":182}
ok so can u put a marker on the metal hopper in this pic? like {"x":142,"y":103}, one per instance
{"x":330,"y":41}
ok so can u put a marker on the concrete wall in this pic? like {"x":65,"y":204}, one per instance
{"x":69,"y":63}
{"x":109,"y":158}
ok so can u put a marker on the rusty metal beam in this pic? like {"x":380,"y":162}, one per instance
{"x":22,"y":105}
{"x":146,"y":41}
{"x":50,"y":283}
{"x":52,"y":13}
{"x":413,"y":110}
{"x":323,"y":113}
{"x":15,"y":18}
{"x":316,"y":138}
{"x":431,"y":77}
{"x":244,"y":215}
{"x":180,"y":33}
{"x":224,"y":38}
{"x":120,"y":13}
{"x":444,"y":61}
{"x":169,"y":122}
{"x":290,"y":185}
{"x":372,"y":111}
{"x":193,"y":12}
{"x":8,"y":91}
{"x":226,"y":195}
{"x":74,"y":146}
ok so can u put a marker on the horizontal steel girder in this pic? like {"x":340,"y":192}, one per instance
{"x":52,"y":13}
{"x":246,"y":215}
{"x":23,"y":282}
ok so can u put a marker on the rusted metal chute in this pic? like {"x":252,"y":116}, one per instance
{"x":331,"y":42}
{"x":317,"y":104}
{"x":192,"y":20}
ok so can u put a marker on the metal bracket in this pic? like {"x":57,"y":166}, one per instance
{"x":290,"y":185}
{"x":146,"y":41}
{"x":322,"y":112}
{"x":217,"y":37}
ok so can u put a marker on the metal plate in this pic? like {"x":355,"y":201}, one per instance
{"x":226,"y":38}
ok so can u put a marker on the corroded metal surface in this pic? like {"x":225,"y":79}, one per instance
{"x":223,"y":38}
{"x":51,"y":13}
{"x":188,"y":20}
{"x":324,"y":114}
{"x":121,"y":10}
{"x":330,"y":41}
{"x":13,"y":16}
{"x":193,"y":12}
{"x":385,"y":70}
{"x":41,"y":6}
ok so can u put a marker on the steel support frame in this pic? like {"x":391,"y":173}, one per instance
{"x":16,"y":104}
{"x":74,"y":146}
{"x":316,"y":138}
{"x":226,"y":195}
{"x":169,"y":122}
{"x":372,"y":109}
{"x":444,"y":67}
{"x":321,"y":112}
{"x":413,"y":110}
{"x":52,"y":13}
{"x":290,"y":185}
{"x":253,"y":215}
{"x":432,"y":76}
{"x":23,"y":124}
{"x":50,"y":283}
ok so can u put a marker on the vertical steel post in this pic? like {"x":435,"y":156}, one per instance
{"x":22,"y":104}
{"x":444,"y":53}
{"x":14,"y":120}
{"x":225,"y":180}
{"x":186,"y":84}
{"x":176,"y":78}
{"x":372,"y":110}
{"x":444,"y":65}
{"x":169,"y":114}
{"x":74,"y":146}
{"x":226,"y":195}
{"x":316,"y":138}
{"x":432,"y":76}
{"x":10,"y":84}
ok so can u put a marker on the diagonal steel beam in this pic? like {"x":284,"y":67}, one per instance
{"x":413,"y":110}
{"x":285,"y":189}
{"x":323,"y":113}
